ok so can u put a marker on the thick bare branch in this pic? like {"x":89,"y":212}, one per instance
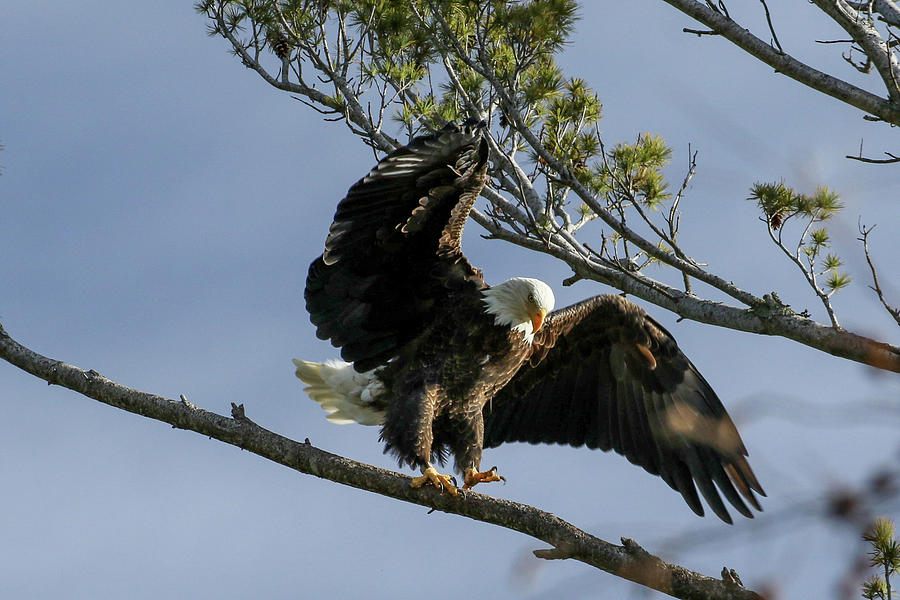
{"x":768,"y":317}
{"x":628,"y":561}
{"x":856,"y":23}
{"x":887,"y":9}
{"x":786,"y":64}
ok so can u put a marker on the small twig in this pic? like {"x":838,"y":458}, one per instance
{"x":878,"y":161}
{"x":674,"y":220}
{"x":552,"y":554}
{"x":772,"y":27}
{"x":864,"y":232}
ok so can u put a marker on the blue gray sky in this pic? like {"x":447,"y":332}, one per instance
{"x":160,"y":205}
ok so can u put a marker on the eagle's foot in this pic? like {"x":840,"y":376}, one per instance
{"x":473,"y":477}
{"x":430,"y":476}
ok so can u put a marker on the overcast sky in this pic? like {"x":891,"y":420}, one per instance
{"x":160,"y":205}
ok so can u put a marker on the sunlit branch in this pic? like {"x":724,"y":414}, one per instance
{"x":628,"y":561}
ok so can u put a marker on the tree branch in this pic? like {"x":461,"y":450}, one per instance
{"x":757,"y":315}
{"x":876,"y":287}
{"x":788,"y":65}
{"x":866,"y":35}
{"x":628,"y":561}
{"x":876,"y":161}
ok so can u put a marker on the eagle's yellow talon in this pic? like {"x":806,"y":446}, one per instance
{"x":430,"y":476}
{"x":473,"y":477}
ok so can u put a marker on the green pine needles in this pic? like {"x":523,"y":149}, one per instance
{"x":885,"y":554}
{"x":786,"y":209}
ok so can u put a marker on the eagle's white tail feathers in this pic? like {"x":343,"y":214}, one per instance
{"x":342,"y":392}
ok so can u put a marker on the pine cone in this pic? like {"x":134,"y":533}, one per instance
{"x":279,"y":44}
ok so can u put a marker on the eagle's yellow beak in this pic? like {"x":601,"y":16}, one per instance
{"x":537,"y":319}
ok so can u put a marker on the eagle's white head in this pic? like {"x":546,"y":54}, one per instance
{"x":520,"y":303}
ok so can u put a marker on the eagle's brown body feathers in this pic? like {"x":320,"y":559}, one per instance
{"x":394,"y":291}
{"x":440,"y":384}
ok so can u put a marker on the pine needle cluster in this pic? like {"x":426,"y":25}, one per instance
{"x":885,"y":554}
{"x":783,"y":206}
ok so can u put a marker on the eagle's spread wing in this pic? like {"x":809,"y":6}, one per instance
{"x":394,"y":246}
{"x":590,"y":381}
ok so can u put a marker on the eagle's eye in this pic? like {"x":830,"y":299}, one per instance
{"x":531,"y":299}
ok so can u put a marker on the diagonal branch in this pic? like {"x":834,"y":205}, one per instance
{"x":786,"y":64}
{"x":628,"y":561}
{"x":869,"y":39}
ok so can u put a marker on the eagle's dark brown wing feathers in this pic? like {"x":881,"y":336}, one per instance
{"x":587,"y":383}
{"x":600,"y":373}
{"x":374,"y":288}
{"x":676,"y":389}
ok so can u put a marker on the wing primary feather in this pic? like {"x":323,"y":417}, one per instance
{"x":684,"y":483}
{"x":617,"y":411}
{"x":742,"y":477}
{"x":703,"y":480}
{"x":714,"y":467}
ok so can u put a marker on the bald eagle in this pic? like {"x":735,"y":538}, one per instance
{"x":447,"y":364}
